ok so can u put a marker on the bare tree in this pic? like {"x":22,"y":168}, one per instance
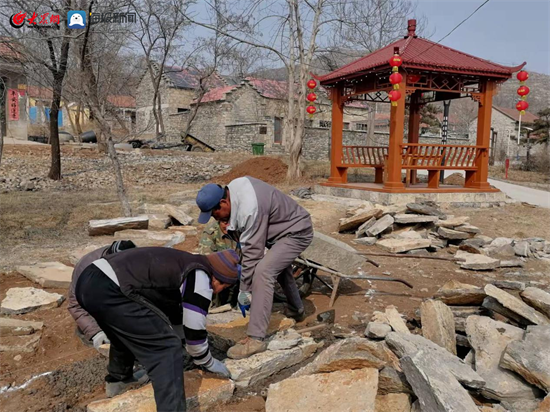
{"x":160,"y":24}
{"x":303,"y":29}
{"x":3,"y":92}
{"x":45,"y":48}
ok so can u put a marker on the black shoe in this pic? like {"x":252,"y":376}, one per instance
{"x":116,"y":388}
{"x":298,"y":316}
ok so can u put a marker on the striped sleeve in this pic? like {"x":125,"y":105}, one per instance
{"x":197,"y":295}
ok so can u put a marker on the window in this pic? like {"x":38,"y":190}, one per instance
{"x":361,"y":126}
{"x":263,"y":129}
{"x":346,"y":126}
{"x":277,"y":133}
{"x":182,"y":110}
{"x":325,"y":124}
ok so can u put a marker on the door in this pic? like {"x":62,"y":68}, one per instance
{"x":278,"y":135}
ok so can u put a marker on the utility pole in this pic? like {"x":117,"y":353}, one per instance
{"x":444,"y":134}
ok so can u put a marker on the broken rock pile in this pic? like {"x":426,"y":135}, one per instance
{"x":422,"y":228}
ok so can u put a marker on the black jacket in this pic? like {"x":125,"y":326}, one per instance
{"x":154,"y":275}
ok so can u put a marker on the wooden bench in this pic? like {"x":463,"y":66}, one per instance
{"x":366,"y":156}
{"x":437,"y":157}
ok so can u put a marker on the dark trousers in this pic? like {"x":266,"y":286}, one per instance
{"x":135,"y":332}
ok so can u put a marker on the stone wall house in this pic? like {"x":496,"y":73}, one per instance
{"x":178,"y":89}
{"x":232,"y":117}
{"x":504,"y":122}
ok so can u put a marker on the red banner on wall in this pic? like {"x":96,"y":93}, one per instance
{"x":13,"y":104}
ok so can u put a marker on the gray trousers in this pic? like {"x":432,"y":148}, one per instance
{"x":276,"y":266}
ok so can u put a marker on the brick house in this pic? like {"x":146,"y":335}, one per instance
{"x":504,"y":124}
{"x":13,"y":116}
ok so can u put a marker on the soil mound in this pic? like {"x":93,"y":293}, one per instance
{"x":268,"y":169}
{"x":455,"y":179}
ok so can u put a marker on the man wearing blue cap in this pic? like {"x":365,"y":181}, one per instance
{"x":260,"y":216}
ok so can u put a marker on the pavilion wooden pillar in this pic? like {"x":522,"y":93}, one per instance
{"x":397,"y":128}
{"x":414,"y":126}
{"x":478,"y":179}
{"x":338,"y":174}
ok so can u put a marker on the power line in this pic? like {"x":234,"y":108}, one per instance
{"x":456,"y":27}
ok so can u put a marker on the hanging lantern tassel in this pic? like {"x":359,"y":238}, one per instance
{"x":394,"y":96}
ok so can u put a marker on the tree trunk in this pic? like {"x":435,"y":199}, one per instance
{"x":77,"y":120}
{"x":120,"y":189}
{"x":160,"y":132}
{"x":1,"y":145}
{"x":55,"y":167}
{"x":193,"y":114}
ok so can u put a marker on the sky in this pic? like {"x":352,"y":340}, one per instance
{"x":504,"y":31}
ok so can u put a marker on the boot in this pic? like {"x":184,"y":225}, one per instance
{"x":116,"y":388}
{"x":246,"y":348}
{"x":298,"y":316}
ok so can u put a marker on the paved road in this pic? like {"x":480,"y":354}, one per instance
{"x":521,"y":193}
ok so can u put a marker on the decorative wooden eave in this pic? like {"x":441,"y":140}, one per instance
{"x":419,"y":54}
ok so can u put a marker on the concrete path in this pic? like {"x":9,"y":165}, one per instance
{"x":520,"y":193}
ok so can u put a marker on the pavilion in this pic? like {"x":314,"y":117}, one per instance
{"x":431,"y":72}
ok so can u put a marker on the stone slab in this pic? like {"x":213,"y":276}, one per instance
{"x":467,"y":228}
{"x":436,"y":389}
{"x":538,"y":299}
{"x":48,"y":274}
{"x":522,"y":248}
{"x":489,"y":339}
{"x":409,"y":218}
{"x":544,"y":406}
{"x":391,"y":380}
{"x":353,"y":222}
{"x":330,"y":253}
{"x":225,"y":335}
{"x":423,"y":209}
{"x":143,"y":238}
{"x":285,"y":339}
{"x":393,"y":402}
{"x":452,"y":234}
{"x":377,"y":330}
{"x":530,"y":357}
{"x":109,"y":226}
{"x":409,"y":345}
{"x":253,"y":369}
{"x":452,"y":221}
{"x":368,"y":241}
{"x":16,"y":327}
{"x":364,"y":227}
{"x":341,"y":391}
{"x":381,"y":224}
{"x":159,"y":221}
{"x":352,"y":353}
{"x":202,"y":390}
{"x":438,"y":324}
{"x":402,"y":245}
{"x":26,"y":343}
{"x":24,"y":300}
{"x":457,"y":293}
{"x":472,"y":261}
{"x":179,"y":214}
{"x":395,"y":320}
{"x":516,"y":305}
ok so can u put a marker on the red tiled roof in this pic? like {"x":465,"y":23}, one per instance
{"x":514,"y":114}
{"x":423,"y":54}
{"x":272,"y":89}
{"x":127,"y":102}
{"x":189,"y":78}
{"x":217,"y":94}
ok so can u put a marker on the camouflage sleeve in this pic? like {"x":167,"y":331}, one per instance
{"x":212,"y":239}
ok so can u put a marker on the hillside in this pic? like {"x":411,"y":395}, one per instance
{"x":538,"y":99}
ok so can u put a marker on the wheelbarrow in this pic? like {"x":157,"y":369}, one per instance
{"x":335,"y":258}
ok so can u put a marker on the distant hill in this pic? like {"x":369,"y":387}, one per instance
{"x":538,"y":99}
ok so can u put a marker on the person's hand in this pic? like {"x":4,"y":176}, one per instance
{"x":216,"y":366}
{"x":100,"y":339}
{"x":244,"y":298}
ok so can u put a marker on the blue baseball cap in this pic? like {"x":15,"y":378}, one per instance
{"x":207,"y":199}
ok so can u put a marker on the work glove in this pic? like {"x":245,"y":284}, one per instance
{"x":100,"y":339}
{"x":216,"y":366}
{"x":244,"y":298}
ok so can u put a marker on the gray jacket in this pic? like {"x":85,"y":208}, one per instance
{"x":86,"y":323}
{"x":261,"y":215}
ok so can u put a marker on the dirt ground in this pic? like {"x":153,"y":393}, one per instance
{"x":47,"y":225}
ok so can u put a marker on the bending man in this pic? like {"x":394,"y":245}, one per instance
{"x":139,"y":297}
{"x":260,"y":216}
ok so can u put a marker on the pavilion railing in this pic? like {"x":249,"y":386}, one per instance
{"x":364,"y":156}
{"x":439,"y":156}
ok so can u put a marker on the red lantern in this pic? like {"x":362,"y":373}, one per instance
{"x":396,"y":78}
{"x":413,"y":78}
{"x":395,"y":61}
{"x":522,"y":76}
{"x":522,"y":105}
{"x":394,"y":96}
{"x":312,"y":84}
{"x":523,"y":90}
{"x":311,"y":109}
{"x":311,"y":97}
